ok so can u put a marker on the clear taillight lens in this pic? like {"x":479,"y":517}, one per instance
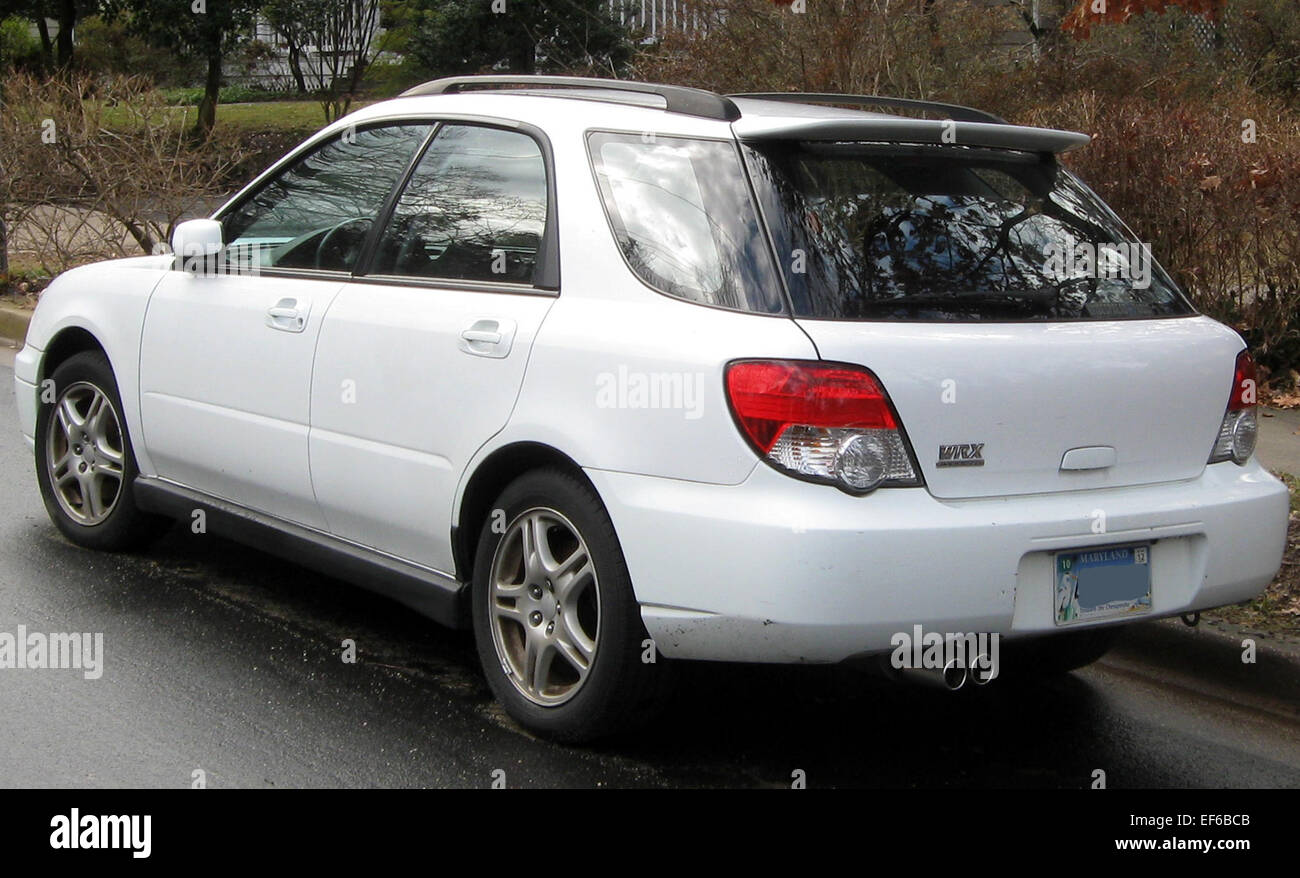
{"x":821,"y":422}
{"x":1240,"y":426}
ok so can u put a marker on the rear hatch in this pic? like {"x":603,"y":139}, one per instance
{"x":1027,"y":340}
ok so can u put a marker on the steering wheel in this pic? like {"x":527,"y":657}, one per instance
{"x":341,"y":245}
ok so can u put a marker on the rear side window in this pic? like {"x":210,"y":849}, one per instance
{"x":894,"y":232}
{"x":475,"y":209}
{"x":683,"y":217}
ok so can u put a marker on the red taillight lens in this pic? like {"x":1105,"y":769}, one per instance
{"x":1243,"y":384}
{"x":1239,"y":429}
{"x":823,"y":422}
{"x":770,"y":395}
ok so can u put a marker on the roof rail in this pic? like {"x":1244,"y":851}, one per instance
{"x":677,"y":99}
{"x":954,"y":111}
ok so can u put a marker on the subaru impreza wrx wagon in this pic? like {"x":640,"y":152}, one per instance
{"x":619,"y":374}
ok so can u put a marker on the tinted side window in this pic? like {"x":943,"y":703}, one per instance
{"x":317,"y":212}
{"x":682,"y":215}
{"x":475,"y":209}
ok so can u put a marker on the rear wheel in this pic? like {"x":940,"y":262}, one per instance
{"x":558,"y":630}
{"x":84,"y":464}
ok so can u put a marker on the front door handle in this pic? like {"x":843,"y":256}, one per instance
{"x":481,"y":335}
{"x":488,"y":337}
{"x":287,"y":315}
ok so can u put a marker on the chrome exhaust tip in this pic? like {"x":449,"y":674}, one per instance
{"x":982,"y":671}
{"x":952,"y":676}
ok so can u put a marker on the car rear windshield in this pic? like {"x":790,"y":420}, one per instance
{"x":868,"y":231}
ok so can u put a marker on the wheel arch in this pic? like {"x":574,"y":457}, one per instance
{"x":67,"y":343}
{"x":489,"y":479}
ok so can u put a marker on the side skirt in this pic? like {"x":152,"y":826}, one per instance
{"x":430,"y":593}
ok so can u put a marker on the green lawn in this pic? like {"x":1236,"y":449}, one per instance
{"x":305,"y":116}
{"x":288,"y":115}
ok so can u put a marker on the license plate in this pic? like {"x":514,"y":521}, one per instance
{"x":1102,"y":583}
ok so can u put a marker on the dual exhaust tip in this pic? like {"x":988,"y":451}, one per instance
{"x":954,"y":675}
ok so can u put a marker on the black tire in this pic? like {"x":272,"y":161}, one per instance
{"x":124,"y":526}
{"x":620,"y":690}
{"x":1059,"y":653}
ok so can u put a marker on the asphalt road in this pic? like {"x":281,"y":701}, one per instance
{"x":224,"y":659}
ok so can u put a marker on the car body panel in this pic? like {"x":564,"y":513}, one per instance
{"x":225,"y":395}
{"x":399,"y":405}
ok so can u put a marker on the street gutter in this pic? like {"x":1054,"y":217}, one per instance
{"x":1209,"y":658}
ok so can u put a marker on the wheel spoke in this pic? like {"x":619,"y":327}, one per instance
{"x":572,"y":575}
{"x":92,"y":499}
{"x":538,"y":655}
{"x":69,"y":420}
{"x":573,"y":636}
{"x":109,"y":453}
{"x":61,"y":471}
{"x":579,"y":662}
{"x":94,"y":415}
{"x":531,"y":533}
{"x":513,"y":612}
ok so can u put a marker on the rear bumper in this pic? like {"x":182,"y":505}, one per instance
{"x":779,"y":570}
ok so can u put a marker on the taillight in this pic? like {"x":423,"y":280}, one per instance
{"x":1240,"y":428}
{"x":822,"y":422}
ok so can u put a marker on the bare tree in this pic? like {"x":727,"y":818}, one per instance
{"x":330,"y":44}
{"x":98,"y":173}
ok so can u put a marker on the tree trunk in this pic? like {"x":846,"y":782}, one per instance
{"x":211,"y":92}
{"x":67,"y":23}
{"x":4,"y":248}
{"x":295,"y":67}
{"x":47,"y":45}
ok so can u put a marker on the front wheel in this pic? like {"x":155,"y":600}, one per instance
{"x":84,"y":463}
{"x":558,"y":629}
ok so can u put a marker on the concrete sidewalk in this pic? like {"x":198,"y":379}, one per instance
{"x":1279,"y":440}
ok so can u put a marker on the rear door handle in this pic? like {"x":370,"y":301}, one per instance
{"x":287,"y":315}
{"x":488,"y":337}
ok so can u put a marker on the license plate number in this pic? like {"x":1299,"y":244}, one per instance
{"x":1102,"y":583}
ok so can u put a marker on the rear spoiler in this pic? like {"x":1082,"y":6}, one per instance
{"x":894,"y":129}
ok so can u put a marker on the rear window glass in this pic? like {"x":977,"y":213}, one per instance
{"x":892,"y":232}
{"x":683,"y":217}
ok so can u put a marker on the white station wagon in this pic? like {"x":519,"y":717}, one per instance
{"x":620,"y":373}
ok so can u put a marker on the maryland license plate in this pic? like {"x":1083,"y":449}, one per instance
{"x":1102,"y":583}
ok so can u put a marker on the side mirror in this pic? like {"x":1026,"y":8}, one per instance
{"x":196,"y":244}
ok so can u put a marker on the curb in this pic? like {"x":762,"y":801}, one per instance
{"x":1209,"y":657}
{"x":14,"y":323}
